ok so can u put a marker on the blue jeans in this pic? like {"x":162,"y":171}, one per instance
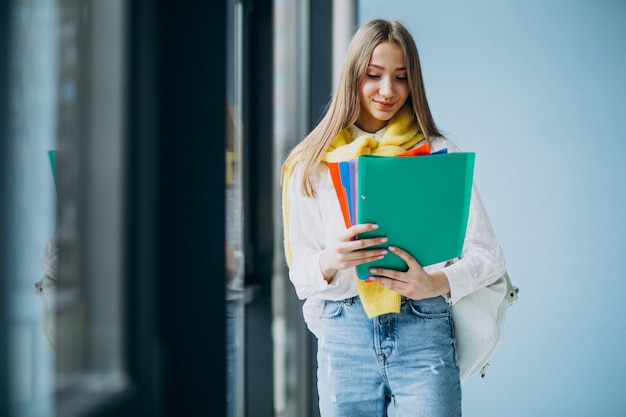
{"x":410,"y":358}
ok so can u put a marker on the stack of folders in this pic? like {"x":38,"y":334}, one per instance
{"x":419,"y":200}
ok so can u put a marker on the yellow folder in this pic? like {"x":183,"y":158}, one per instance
{"x":421,"y":203}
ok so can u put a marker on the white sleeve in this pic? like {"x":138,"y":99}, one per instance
{"x":482,"y":260}
{"x":308,"y":237}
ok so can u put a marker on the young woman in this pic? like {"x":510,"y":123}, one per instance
{"x":390,"y":339}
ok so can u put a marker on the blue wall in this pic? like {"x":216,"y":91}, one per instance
{"x":538,"y":90}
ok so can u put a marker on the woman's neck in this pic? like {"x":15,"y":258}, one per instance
{"x":371,"y":129}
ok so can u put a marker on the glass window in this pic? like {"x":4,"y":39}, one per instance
{"x":65,"y":147}
{"x":234,"y":212}
{"x":69,"y":317}
{"x":89,"y":238}
{"x":30,"y":209}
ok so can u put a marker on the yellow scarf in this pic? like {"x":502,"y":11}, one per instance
{"x":402,"y":134}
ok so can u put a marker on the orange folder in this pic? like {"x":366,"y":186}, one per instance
{"x":423,"y":149}
{"x":333,"y":168}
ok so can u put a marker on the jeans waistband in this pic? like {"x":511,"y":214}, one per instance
{"x":352,"y":300}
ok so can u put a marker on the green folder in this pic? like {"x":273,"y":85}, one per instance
{"x":421,"y":203}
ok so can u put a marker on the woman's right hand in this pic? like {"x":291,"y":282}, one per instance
{"x":349,"y":252}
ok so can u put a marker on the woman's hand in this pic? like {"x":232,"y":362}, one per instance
{"x":349,"y":252}
{"x":415,"y":283}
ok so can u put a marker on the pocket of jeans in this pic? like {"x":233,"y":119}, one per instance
{"x":332,"y":309}
{"x":430,"y":308}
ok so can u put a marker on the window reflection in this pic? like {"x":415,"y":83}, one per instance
{"x":234,"y":215}
{"x":66,"y":113}
{"x":67,"y":95}
{"x":89,"y":295}
{"x":31,"y":205}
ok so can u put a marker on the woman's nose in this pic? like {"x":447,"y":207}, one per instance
{"x":386,"y":87}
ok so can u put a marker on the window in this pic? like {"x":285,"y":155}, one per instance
{"x":65,"y":185}
{"x":143,"y":231}
{"x":235,"y":250}
{"x":29,"y":212}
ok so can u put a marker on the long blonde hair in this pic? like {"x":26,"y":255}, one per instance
{"x":344,"y":108}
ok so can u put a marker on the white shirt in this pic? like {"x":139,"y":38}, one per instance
{"x":315,"y":223}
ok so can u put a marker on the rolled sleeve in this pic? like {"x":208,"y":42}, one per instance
{"x":308,"y":239}
{"x":482,"y":261}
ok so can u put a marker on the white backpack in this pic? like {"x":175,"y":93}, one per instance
{"x":479,"y":325}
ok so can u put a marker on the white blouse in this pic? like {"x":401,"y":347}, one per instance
{"x":315,"y":223}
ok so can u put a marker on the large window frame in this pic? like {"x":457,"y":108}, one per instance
{"x":169,"y":59}
{"x":171,"y":128}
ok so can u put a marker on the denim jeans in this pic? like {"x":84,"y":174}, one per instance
{"x":410,"y":358}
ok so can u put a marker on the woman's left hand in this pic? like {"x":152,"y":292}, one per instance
{"x":415,"y":283}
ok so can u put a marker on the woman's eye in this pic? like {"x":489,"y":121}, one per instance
{"x":402,"y":78}
{"x":373,"y":76}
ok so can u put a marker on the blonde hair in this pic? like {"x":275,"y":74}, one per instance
{"x":344,"y":108}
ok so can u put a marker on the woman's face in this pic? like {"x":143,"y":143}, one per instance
{"x":384,"y":88}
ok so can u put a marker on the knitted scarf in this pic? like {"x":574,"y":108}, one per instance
{"x":402,"y":134}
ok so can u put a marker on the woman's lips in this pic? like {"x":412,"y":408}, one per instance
{"x":384,"y":105}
